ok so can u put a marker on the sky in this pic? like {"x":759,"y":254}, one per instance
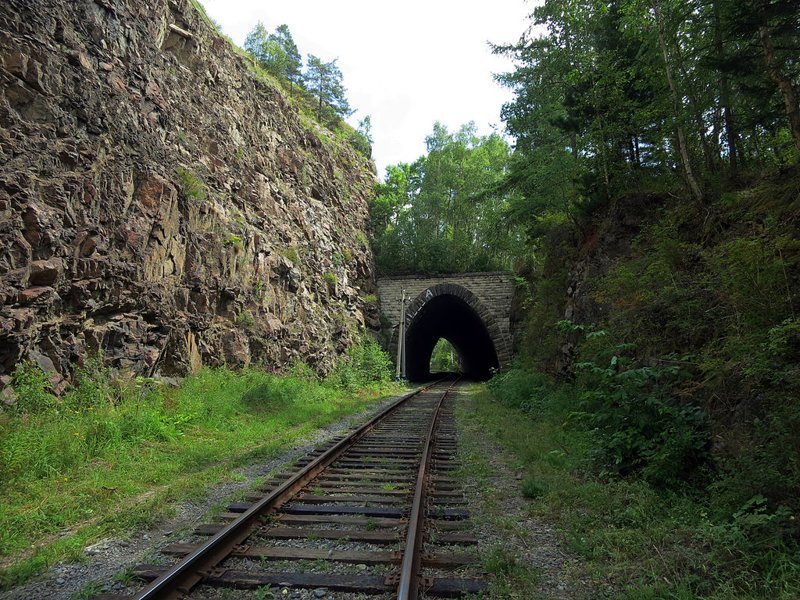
{"x":405,"y":64}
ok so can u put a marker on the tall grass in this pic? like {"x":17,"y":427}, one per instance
{"x":113,"y":450}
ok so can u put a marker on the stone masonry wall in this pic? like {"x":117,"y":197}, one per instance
{"x":162,"y":204}
{"x":495,"y":291}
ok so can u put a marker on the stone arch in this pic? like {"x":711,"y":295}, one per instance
{"x":453,"y":312}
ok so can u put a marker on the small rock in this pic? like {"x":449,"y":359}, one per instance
{"x":61,"y":581}
{"x":320,"y":592}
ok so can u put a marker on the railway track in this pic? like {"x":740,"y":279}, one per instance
{"x":375,"y":512}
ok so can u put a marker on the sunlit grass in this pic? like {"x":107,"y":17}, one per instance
{"x":114,"y":455}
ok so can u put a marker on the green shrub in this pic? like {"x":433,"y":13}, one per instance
{"x":33,"y":391}
{"x":638,"y":426}
{"x":192,"y":185}
{"x":363,"y":364}
{"x":245,"y":319}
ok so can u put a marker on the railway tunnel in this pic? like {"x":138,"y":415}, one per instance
{"x":471,"y":311}
{"x":450,"y":317}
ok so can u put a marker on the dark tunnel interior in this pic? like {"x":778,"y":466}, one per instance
{"x":451,"y":318}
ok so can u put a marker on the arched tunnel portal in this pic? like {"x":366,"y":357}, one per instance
{"x":454,"y":313}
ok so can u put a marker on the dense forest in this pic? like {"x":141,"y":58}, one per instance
{"x":650,"y":201}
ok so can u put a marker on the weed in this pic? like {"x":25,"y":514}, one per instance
{"x":192,"y":185}
{"x":330,"y":279}
{"x":291,"y":254}
{"x":533,"y":488}
{"x":32,"y":389}
{"x":265,"y":592}
{"x":499,"y":561}
{"x":235,"y":241}
{"x":245,"y":320}
{"x":88,"y":591}
{"x":362,"y":239}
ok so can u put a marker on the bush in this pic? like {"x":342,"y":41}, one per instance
{"x":32,"y":388}
{"x":638,"y":426}
{"x":192,"y":185}
{"x":363,"y":364}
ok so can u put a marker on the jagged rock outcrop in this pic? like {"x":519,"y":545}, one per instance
{"x":161,"y":203}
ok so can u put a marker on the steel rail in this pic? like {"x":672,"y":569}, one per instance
{"x":178,"y":581}
{"x":408,"y":587}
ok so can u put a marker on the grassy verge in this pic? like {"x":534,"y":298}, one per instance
{"x":637,"y":542}
{"x":496,"y":513}
{"x":113,"y":454}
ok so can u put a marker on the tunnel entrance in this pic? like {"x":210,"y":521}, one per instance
{"x":451,"y":318}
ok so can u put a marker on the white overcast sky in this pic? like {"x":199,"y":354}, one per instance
{"x":406,"y":64}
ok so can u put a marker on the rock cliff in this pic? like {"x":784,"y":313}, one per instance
{"x":162,"y":203}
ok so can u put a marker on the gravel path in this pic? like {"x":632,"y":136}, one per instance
{"x":106,"y":560}
{"x":527,"y":553}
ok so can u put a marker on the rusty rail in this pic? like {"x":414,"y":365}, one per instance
{"x":412,"y":556}
{"x":359,"y":489}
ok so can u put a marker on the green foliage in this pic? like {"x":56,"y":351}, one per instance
{"x":275,"y":52}
{"x":235,"y":241}
{"x":364,"y":364}
{"x":330,"y":278}
{"x":291,"y":254}
{"x":133,"y":446}
{"x":192,"y":186}
{"x":245,"y":319}
{"x":444,"y":358}
{"x":612,"y":97}
{"x":637,"y":426}
{"x":442,"y":214}
{"x":324,"y":81}
{"x":641,"y":541}
{"x":32,"y":389}
{"x":533,"y":488}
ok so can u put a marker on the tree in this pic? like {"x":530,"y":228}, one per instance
{"x":365,"y":128}
{"x":256,"y":43}
{"x":275,"y":52}
{"x":443,"y":213}
{"x":324,"y":81}
{"x":292,"y":62}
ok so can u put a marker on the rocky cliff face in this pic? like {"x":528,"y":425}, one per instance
{"x":161,"y":203}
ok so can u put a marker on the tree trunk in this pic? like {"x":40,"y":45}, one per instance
{"x":725,"y":97}
{"x":790,"y":100}
{"x":676,"y":102}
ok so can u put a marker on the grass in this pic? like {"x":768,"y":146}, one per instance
{"x":115,"y":454}
{"x":635,"y":541}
